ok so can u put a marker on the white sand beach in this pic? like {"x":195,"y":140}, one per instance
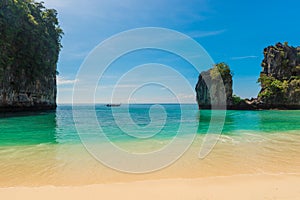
{"x":234,"y":187}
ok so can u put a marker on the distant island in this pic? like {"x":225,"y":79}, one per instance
{"x":29,"y":47}
{"x":279,"y":80}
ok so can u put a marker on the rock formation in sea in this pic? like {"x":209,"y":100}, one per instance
{"x":279,"y":80}
{"x":29,"y":48}
{"x":213,"y":86}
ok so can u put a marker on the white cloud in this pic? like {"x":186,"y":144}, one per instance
{"x":76,"y":54}
{"x":86,"y":23}
{"x":243,"y":57}
{"x":57,"y":3}
{"x":117,"y":86}
{"x":200,"y":34}
{"x":63,"y":81}
{"x":134,"y":10}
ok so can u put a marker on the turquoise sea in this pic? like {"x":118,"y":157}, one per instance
{"x":45,"y":148}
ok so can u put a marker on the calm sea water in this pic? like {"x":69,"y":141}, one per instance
{"x":59,"y":128}
{"x":45,"y":148}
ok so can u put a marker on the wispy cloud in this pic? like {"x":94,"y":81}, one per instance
{"x":86,"y":23}
{"x":200,"y":34}
{"x":243,"y":57}
{"x":118,"y":86}
{"x":57,"y":3}
{"x":63,"y":81}
{"x":79,"y":54}
{"x":134,"y":10}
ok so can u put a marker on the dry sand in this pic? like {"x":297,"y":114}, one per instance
{"x":242,"y":187}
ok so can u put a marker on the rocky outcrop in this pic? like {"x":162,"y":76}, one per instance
{"x":281,"y":61}
{"x":30,"y":39}
{"x":215,"y":87}
{"x":280,"y":78}
{"x":17,"y":95}
{"x":280,"y":82}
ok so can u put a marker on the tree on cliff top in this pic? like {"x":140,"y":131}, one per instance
{"x":221,"y":69}
{"x":280,"y":79}
{"x":30,"y":41}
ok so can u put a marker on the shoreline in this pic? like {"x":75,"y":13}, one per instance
{"x":281,"y":186}
{"x":232,"y":155}
{"x":250,"y":107}
{"x":27,"y":109}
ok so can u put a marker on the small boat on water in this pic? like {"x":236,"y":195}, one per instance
{"x":113,"y":105}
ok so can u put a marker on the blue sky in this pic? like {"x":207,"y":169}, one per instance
{"x":231,"y":31}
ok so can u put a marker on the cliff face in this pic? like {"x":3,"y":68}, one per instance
{"x":280,"y":82}
{"x":29,"y":48}
{"x":281,"y":61}
{"x":210,"y":86}
{"x":19,"y":94}
{"x":280,"y":78}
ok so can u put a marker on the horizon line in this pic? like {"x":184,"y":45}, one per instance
{"x":101,"y":103}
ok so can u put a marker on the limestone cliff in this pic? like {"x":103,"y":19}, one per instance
{"x":280,"y":82}
{"x":280,"y":78}
{"x":16,"y":94}
{"x":215,"y":85}
{"x":29,"y":48}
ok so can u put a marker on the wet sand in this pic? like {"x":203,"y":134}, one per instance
{"x":72,"y":165}
{"x":239,"y":167}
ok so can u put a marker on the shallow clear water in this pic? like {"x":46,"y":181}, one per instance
{"x":58,"y":127}
{"x":45,"y":148}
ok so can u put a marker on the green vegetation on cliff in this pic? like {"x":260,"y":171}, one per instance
{"x":30,"y":41}
{"x":280,"y":79}
{"x":212,"y":84}
{"x":221,"y":69}
{"x":272,"y":86}
{"x":29,"y":38}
